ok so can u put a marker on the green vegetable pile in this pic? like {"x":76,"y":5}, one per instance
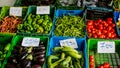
{"x":116,"y":4}
{"x":65,"y":57}
{"x":70,"y":26}
{"x":4,"y":12}
{"x":36,"y":24}
{"x":3,"y":52}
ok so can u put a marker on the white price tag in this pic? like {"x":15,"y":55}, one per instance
{"x":28,"y":41}
{"x":69,"y":42}
{"x":16,"y":11}
{"x":106,"y":47}
{"x":43,"y":10}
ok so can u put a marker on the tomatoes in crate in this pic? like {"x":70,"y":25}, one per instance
{"x":101,"y":28}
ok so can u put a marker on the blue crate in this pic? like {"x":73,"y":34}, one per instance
{"x":116,"y":16}
{"x":63,"y":12}
{"x":81,"y":42}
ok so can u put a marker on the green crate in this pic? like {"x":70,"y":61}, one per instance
{"x":32,"y":10}
{"x":92,"y":46}
{"x":5,"y":10}
{"x":5,"y":39}
{"x":18,"y":39}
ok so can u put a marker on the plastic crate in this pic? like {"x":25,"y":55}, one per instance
{"x":5,"y":39}
{"x":108,"y":4}
{"x":81,"y":42}
{"x":24,"y":11}
{"x":61,"y":12}
{"x":95,"y":14}
{"x":32,"y":10}
{"x":18,"y":39}
{"x":100,"y":58}
{"x":116,"y":16}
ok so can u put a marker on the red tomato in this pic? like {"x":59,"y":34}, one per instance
{"x":109,"y":19}
{"x":89,"y":30}
{"x":109,"y":28}
{"x":100,"y":27}
{"x":101,"y":66}
{"x":89,"y":27}
{"x":91,"y":65}
{"x":95,"y":36}
{"x":105,"y":23}
{"x":106,"y":65}
{"x":99,"y":32}
{"x":90,"y":22}
{"x":113,"y":25}
{"x":91,"y":57}
{"x":112,"y":31}
{"x":93,"y":32}
{"x":89,"y":35}
{"x":109,"y":22}
{"x":99,"y":20}
{"x":109,"y":34}
{"x":102,"y":36}
{"x":104,"y":31}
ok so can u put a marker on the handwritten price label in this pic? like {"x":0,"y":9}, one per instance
{"x":106,"y":47}
{"x":43,"y":10}
{"x":28,"y":41}
{"x":69,"y":42}
{"x":16,"y":11}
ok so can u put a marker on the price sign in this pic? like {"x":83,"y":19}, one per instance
{"x":16,"y":11}
{"x":69,"y":42}
{"x":28,"y":41}
{"x":43,"y":10}
{"x":106,"y":47}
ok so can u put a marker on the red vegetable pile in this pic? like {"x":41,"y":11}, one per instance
{"x":91,"y":61}
{"x":101,"y":28}
{"x":9,"y":24}
{"x":105,"y":65}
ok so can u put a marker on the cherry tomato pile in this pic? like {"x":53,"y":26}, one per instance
{"x":101,"y":28}
{"x":105,"y":65}
{"x":91,"y":61}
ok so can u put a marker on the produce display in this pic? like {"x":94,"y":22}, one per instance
{"x":101,"y":28}
{"x":27,"y":57}
{"x":70,"y":26}
{"x":3,"y":52}
{"x":36,"y":24}
{"x":9,"y":24}
{"x":65,"y":57}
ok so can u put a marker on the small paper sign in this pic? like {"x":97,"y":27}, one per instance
{"x":28,"y":41}
{"x":69,"y":42}
{"x":106,"y":47}
{"x":43,"y":10}
{"x":16,"y":11}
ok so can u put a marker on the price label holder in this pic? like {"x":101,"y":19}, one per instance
{"x":16,"y":11}
{"x":69,"y":42}
{"x":106,"y":47}
{"x":29,"y":41}
{"x":43,"y":10}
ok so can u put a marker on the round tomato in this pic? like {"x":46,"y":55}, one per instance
{"x":99,"y":32}
{"x":106,"y":65}
{"x":91,"y":65}
{"x":109,"y":28}
{"x":95,"y":35}
{"x":101,"y":66}
{"x":112,"y":31}
{"x":104,"y":31}
{"x":109,"y":34}
{"x":113,"y":25}
{"x":109,"y":19}
{"x":109,"y":22}
{"x":90,"y":22}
